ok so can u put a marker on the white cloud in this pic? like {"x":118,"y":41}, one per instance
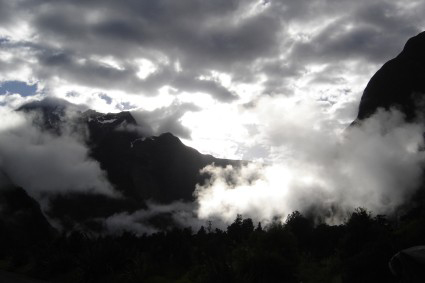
{"x":377,"y":166}
{"x":177,"y":213}
{"x":164,"y":119}
{"x":65,"y":45}
{"x":44,"y":163}
{"x":264,"y":65}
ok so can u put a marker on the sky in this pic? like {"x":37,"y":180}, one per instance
{"x":256,"y":80}
{"x":222,"y":57}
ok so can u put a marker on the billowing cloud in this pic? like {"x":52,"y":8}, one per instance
{"x":275,"y":81}
{"x":314,"y":166}
{"x":143,"y":221}
{"x":43,"y":163}
{"x":138,"y":48}
{"x":163,"y":120}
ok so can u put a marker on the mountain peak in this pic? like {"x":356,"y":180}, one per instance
{"x":415,"y":47}
{"x":51,"y":104}
{"x":169,"y":138}
{"x":399,"y":83}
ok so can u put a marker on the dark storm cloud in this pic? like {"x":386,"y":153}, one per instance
{"x":86,"y":72}
{"x":190,"y":27}
{"x":365,"y":40}
{"x":243,"y":38}
{"x":368,"y":33}
{"x":189,"y":84}
{"x":5,"y":16}
{"x":198,"y":36}
{"x":97,"y":74}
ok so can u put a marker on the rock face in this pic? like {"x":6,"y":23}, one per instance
{"x":142,"y":168}
{"x":21,"y":221}
{"x":160,"y":168}
{"x":399,"y":83}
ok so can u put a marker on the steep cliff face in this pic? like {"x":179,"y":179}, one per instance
{"x":161,"y":168}
{"x":21,"y":221}
{"x":400,"y":83}
{"x":141,"y":168}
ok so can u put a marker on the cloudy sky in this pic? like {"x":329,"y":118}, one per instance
{"x":272,"y":81}
{"x":227,"y":61}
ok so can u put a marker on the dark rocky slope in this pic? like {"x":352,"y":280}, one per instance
{"x":400,"y":83}
{"x":155,"y":168}
{"x":22,"y":222}
{"x":162,"y":168}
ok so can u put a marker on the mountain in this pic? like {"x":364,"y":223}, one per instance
{"x":142,"y":168}
{"x":52,"y":112}
{"x":161,"y":168}
{"x":22,"y":222}
{"x":399,"y":83}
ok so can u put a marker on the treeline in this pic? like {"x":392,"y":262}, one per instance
{"x":292,"y":251}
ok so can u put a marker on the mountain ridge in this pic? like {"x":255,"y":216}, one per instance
{"x":141,"y":168}
{"x":399,"y":83}
{"x":162,"y":169}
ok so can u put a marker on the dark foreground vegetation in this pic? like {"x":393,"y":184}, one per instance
{"x":294,"y":251}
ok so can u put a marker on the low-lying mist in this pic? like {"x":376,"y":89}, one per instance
{"x":315,"y":167}
{"x":314,"y":164}
{"x":44,"y":163}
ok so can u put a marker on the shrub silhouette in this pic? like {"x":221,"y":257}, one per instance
{"x":292,"y":251}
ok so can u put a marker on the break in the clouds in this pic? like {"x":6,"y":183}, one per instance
{"x":17,"y":87}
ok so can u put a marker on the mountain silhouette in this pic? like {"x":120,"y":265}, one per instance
{"x":399,"y":83}
{"x":159,"y":169}
{"x":22,"y":222}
